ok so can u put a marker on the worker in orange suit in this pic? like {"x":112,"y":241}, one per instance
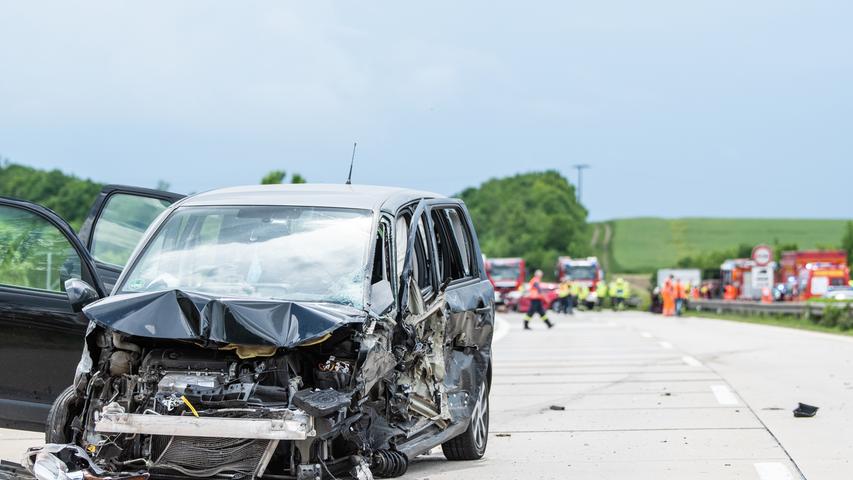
{"x":667,"y":293}
{"x":537,"y":303}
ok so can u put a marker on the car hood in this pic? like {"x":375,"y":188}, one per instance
{"x":180,"y":315}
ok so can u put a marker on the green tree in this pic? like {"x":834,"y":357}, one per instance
{"x":532,"y":215}
{"x":67,"y":195}
{"x":274,"y":177}
{"x":277,"y":176}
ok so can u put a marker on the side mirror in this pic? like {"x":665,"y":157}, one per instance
{"x":79,"y":294}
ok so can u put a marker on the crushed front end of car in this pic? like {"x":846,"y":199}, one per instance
{"x":175,"y":384}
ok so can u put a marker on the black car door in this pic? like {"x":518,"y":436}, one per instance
{"x":41,"y":337}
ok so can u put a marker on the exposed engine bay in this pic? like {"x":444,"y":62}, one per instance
{"x":358,"y":397}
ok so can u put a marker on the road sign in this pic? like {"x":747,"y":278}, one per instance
{"x":762,"y":255}
{"x":762,"y":277}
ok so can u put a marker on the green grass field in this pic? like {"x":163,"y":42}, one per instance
{"x":646,"y":244}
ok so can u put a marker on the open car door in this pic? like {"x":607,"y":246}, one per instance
{"x":115,"y":224}
{"x":42,"y":337}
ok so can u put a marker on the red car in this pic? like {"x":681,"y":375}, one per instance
{"x":549,"y":294}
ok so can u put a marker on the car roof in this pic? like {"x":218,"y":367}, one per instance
{"x":368,"y":197}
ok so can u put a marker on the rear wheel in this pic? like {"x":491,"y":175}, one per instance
{"x":57,"y":428}
{"x":471,"y":445}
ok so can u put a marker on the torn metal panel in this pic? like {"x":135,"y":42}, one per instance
{"x":179,"y":315}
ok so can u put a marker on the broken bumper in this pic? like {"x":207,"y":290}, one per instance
{"x":291,"y":425}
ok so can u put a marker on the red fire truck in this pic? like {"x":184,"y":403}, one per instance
{"x":506,"y":274}
{"x":586,"y":272}
{"x":809,"y":273}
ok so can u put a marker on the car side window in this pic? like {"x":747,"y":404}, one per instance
{"x":34,"y":253}
{"x":462,"y":238}
{"x":421,"y":264}
{"x":121,"y":224}
{"x":449,"y":263}
{"x":381,"y":259}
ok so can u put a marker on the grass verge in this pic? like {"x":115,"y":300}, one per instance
{"x":776,"y":320}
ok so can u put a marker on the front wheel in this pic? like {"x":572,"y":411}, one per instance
{"x":59,"y":418}
{"x":471,"y":444}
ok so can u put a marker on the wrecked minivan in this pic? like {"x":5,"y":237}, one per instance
{"x":299,"y":331}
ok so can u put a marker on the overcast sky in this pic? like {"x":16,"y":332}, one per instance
{"x":683,"y":108}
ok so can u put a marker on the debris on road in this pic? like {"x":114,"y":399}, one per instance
{"x":503,"y":434}
{"x":804,"y":410}
{"x":559,"y":408}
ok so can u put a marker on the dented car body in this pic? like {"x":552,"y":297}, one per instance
{"x":282,"y":332}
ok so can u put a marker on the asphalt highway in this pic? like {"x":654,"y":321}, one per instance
{"x":648,"y":397}
{"x":609,"y":395}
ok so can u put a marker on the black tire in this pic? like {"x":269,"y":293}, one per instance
{"x":471,"y":444}
{"x":57,"y":427}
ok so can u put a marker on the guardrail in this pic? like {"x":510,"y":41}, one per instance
{"x":802,"y":309}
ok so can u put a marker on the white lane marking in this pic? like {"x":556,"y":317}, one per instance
{"x":724,"y":395}
{"x":691,"y":361}
{"x":773,"y":471}
{"x":666,"y":345}
{"x":501,"y":329}
{"x":646,"y":335}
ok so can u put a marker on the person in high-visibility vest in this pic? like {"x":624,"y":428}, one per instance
{"x":602,"y":292}
{"x":536,"y":304}
{"x":620,"y":291}
{"x":575,"y":292}
{"x":564,"y":297}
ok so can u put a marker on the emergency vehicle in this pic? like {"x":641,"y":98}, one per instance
{"x":506,"y":274}
{"x":585,"y":272}
{"x":806,"y":274}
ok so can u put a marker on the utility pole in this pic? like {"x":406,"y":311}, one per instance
{"x":580,"y":168}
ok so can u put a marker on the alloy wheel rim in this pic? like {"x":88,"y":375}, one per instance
{"x":479,"y":419}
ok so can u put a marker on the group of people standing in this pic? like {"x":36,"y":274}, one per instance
{"x":673,"y":295}
{"x":572,"y":294}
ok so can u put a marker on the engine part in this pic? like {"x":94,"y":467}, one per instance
{"x":319,"y":403}
{"x":187,"y":360}
{"x":310,"y":471}
{"x":389,"y":463}
{"x":205,"y":457}
{"x":178,"y":382}
{"x":121,"y":362}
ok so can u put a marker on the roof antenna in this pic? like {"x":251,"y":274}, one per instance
{"x":349,"y":177}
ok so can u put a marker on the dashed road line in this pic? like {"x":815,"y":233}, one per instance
{"x":773,"y":471}
{"x":724,"y":395}
{"x":666,"y":345}
{"x":691,"y":361}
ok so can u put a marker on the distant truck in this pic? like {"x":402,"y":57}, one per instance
{"x":586,"y":272}
{"x":693,"y":276}
{"x":506,"y":274}
{"x":805,"y":274}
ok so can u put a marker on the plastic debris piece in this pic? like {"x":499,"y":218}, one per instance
{"x":558,"y":407}
{"x":804,"y":410}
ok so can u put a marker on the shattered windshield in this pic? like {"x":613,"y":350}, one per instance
{"x":265,"y":252}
